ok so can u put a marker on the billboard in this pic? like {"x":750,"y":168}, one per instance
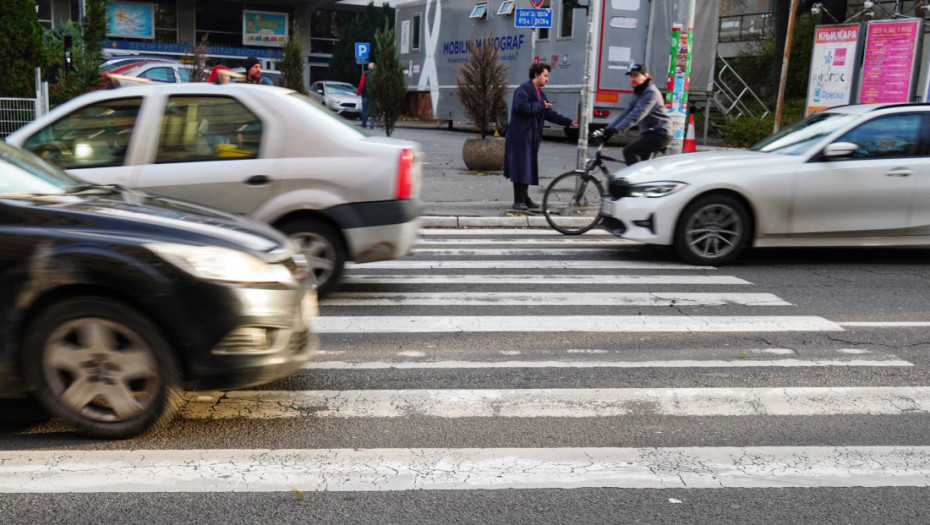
{"x":833,"y":67}
{"x":889,"y":63}
{"x":264,"y":28}
{"x":129,"y":20}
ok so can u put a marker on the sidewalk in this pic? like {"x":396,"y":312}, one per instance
{"x":454,"y":197}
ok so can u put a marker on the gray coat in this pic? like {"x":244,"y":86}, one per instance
{"x":647,"y":109}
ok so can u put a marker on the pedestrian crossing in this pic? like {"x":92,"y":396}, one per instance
{"x":476,"y":342}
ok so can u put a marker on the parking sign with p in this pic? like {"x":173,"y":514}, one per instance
{"x":361,"y":52}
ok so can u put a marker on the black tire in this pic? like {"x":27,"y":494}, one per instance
{"x":713,"y":230}
{"x":324,"y":249}
{"x":103,"y":367}
{"x":564,"y":212}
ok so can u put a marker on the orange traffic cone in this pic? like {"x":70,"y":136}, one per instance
{"x":690,"y":145}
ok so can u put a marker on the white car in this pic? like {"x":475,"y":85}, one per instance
{"x":267,"y":152}
{"x":846,"y":177}
{"x":337,"y":96}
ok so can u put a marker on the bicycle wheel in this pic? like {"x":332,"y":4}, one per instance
{"x":572,"y":203}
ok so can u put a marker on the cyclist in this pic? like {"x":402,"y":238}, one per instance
{"x":646,"y":109}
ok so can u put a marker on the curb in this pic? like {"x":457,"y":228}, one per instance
{"x":526,"y":221}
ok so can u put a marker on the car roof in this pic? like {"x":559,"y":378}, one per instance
{"x":862,"y":109}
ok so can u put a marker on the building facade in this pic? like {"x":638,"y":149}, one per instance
{"x":234,"y":29}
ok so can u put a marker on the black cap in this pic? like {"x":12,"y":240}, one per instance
{"x":249,"y":62}
{"x":637,"y":68}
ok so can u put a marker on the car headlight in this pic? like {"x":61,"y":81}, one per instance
{"x":215,"y":263}
{"x":655,"y":189}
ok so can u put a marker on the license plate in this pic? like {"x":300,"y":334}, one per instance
{"x":605,"y":206}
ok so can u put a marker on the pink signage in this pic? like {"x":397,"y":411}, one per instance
{"x":888,"y":64}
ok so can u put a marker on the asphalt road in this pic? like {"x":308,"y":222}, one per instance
{"x":476,"y":405}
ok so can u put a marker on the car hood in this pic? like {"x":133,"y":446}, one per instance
{"x":685,"y":167}
{"x":147,"y":217}
{"x":342,"y":98}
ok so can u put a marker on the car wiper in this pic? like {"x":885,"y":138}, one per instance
{"x":98,"y":189}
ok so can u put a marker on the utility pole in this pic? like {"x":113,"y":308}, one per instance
{"x":594,"y":10}
{"x":784,"y":66}
{"x":679,"y":71}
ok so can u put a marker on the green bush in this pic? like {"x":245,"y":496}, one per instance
{"x":745,"y":131}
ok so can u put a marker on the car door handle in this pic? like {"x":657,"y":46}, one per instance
{"x":899,"y":172}
{"x":258,"y":180}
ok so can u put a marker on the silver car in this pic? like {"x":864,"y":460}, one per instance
{"x":267,"y":152}
{"x":339,"y":97}
{"x":852,"y":176}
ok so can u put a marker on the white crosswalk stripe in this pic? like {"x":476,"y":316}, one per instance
{"x":517,"y":257}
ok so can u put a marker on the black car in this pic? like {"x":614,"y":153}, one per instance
{"x":112,"y":300}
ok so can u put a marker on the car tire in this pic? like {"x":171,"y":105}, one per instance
{"x":713,"y":230}
{"x":324,"y":249}
{"x":102,"y":366}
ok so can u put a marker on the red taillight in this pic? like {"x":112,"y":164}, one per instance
{"x":405,"y":175}
{"x":601,"y":112}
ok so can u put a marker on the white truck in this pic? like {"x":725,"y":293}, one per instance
{"x":433,"y":37}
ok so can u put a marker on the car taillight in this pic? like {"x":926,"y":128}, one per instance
{"x":405,"y":175}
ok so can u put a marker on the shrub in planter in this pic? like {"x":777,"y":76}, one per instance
{"x":482,"y":84}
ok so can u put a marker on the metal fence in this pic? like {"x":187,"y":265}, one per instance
{"x":16,"y":112}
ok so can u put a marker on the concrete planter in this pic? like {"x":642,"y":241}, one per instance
{"x":485,"y":154}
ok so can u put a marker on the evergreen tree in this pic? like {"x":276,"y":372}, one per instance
{"x":21,"y":42}
{"x":86,"y":49}
{"x":291,"y":64}
{"x":388,"y":86}
{"x":342,"y":64}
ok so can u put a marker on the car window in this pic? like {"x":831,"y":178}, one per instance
{"x":802,"y":135}
{"x":184,"y":74}
{"x":341,"y":89}
{"x":158,"y":74}
{"x":96,"y":135}
{"x":21,"y":172}
{"x":885,"y":137}
{"x":197,"y":128}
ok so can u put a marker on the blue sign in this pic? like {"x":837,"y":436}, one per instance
{"x":533,"y":18}
{"x":362,"y":50}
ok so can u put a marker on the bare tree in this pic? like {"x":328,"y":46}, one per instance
{"x":482,"y":84}
{"x":196,"y":60}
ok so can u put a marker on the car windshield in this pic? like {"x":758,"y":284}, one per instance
{"x":340,"y":89}
{"x":23,"y":172}
{"x":800,"y":136}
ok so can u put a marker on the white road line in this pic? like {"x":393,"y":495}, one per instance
{"x":514,"y":252}
{"x":885,"y":324}
{"x":309,"y":470}
{"x":356,"y":278}
{"x":498,"y":232}
{"x":548,"y":323}
{"x":558,"y":242}
{"x":551,"y":298}
{"x":679,"y":363}
{"x":554,"y":402}
{"x":523,"y":265}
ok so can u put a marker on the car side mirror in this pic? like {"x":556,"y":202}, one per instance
{"x":840,"y":150}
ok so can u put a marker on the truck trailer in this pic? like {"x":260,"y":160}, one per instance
{"x":433,"y":38}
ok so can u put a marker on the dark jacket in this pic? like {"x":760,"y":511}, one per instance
{"x":524,"y":134}
{"x":646,"y":109}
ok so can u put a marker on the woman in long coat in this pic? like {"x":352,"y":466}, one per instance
{"x":524,"y":134}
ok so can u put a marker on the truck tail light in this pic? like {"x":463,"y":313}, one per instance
{"x":405,"y":175}
{"x":601,"y":112}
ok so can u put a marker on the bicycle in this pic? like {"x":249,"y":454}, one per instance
{"x":572,"y":201}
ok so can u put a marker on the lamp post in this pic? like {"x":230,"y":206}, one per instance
{"x":784,"y":66}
